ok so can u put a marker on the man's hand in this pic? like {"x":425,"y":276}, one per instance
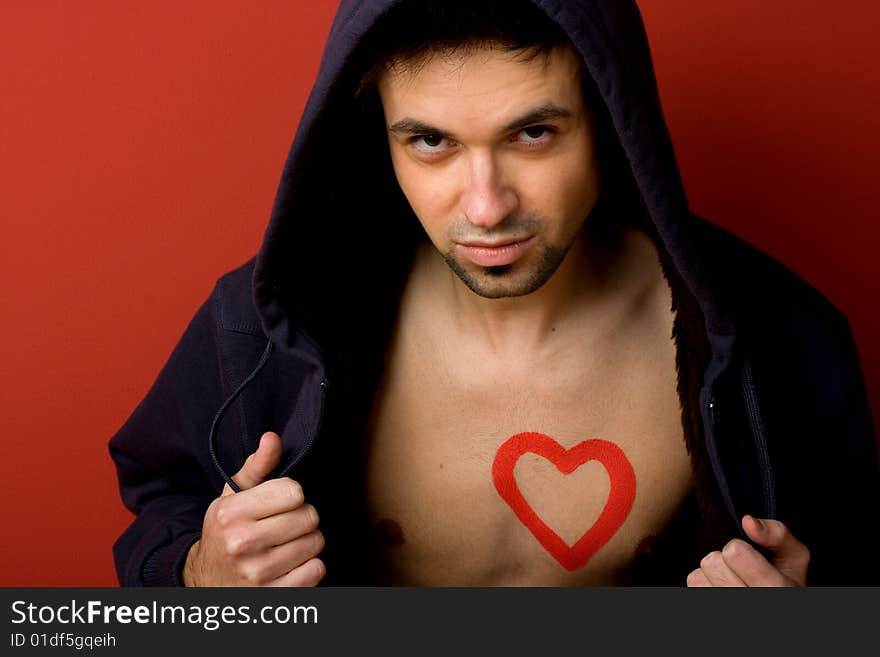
{"x":739,"y":564}
{"x":263,"y":536}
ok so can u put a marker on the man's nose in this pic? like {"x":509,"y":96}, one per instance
{"x":487,"y":198}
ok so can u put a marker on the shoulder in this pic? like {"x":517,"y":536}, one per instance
{"x":793,"y":334}
{"x":760,"y":289}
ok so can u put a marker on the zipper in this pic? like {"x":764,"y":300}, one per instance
{"x":711,"y":418}
{"x":759,"y":439}
{"x":325,"y":384}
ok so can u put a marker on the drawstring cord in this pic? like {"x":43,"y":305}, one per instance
{"x":216,"y":423}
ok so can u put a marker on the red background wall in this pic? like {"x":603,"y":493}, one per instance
{"x":140,"y":145}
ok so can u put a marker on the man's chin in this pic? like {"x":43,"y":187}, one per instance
{"x":499,"y":282}
{"x":515,"y":279}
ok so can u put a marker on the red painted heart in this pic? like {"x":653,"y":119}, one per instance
{"x":617,"y":508}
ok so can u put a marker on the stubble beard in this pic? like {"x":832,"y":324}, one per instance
{"x":507,"y":280}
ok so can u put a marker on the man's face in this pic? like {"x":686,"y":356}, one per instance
{"x":496,"y":156}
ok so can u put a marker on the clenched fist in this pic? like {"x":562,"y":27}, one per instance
{"x":739,"y":564}
{"x":263,"y":536}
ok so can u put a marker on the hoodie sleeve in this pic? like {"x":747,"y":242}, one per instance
{"x":163,"y":463}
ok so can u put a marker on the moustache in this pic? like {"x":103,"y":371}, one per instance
{"x":513,"y":228}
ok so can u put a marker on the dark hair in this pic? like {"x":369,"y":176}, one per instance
{"x":409,"y":33}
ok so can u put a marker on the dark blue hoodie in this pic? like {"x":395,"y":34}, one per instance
{"x":774,"y":410}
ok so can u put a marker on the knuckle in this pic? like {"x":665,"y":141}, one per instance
{"x":307,"y":574}
{"x":236,"y":545}
{"x":778,"y":525}
{"x":252,"y":574}
{"x":693,"y":577}
{"x":296,"y":491}
{"x":778,"y":531}
{"x":316,"y":572}
{"x":317,"y":542}
{"x":312,"y":518}
{"x":735,"y":549}
{"x":805,"y":556}
{"x":223,"y":514}
{"x":711,"y":560}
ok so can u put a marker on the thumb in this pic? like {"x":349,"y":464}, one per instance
{"x":258,"y":465}
{"x":789,"y":556}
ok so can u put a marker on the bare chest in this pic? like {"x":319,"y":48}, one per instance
{"x":523,"y":472}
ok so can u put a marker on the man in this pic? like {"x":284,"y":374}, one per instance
{"x":485,"y":343}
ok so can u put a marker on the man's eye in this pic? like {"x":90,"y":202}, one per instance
{"x":535,"y":134}
{"x":429,"y":143}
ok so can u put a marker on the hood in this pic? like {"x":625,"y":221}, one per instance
{"x":318,"y":267}
{"x":341,"y":236}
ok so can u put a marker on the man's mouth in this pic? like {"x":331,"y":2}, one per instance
{"x":494,"y":254}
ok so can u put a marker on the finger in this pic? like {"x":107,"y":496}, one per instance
{"x":274,"y":531}
{"x":282,"y":559}
{"x":698,"y":579}
{"x":258,"y":465}
{"x":718,"y":572}
{"x":789,"y":556}
{"x":308,"y":574}
{"x":276,"y":496}
{"x":750,"y":565}
{"x":286,"y":527}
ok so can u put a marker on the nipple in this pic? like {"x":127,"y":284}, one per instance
{"x":389,"y":532}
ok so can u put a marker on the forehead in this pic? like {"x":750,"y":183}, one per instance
{"x":479,"y":85}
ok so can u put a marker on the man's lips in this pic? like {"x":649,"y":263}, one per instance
{"x":489,"y":254}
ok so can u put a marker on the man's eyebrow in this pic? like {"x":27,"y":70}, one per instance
{"x":536,"y":115}
{"x":415,"y":127}
{"x":546,"y":112}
